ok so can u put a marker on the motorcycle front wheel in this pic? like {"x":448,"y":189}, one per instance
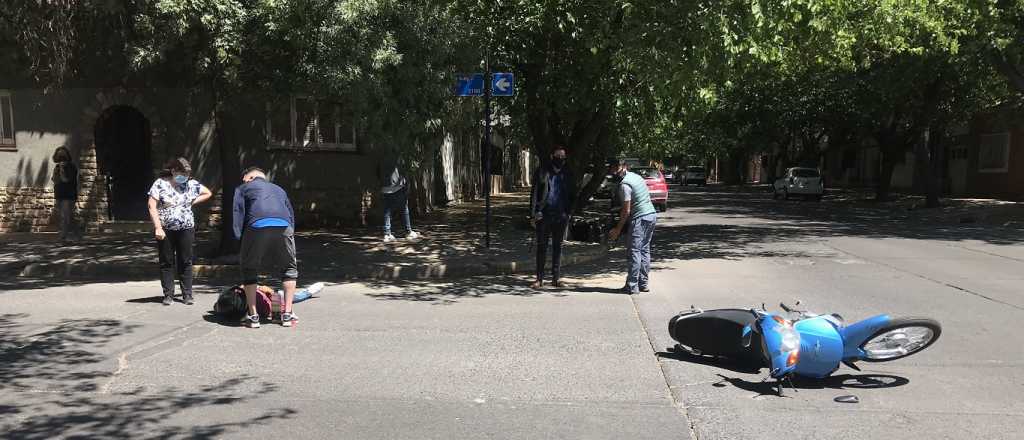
{"x":901,"y":338}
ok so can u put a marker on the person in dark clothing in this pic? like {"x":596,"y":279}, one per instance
{"x":265,"y":222}
{"x":170,"y":208}
{"x":65,"y":189}
{"x":551,"y":204}
{"x":395,"y":196}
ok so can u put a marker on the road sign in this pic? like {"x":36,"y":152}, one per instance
{"x":469,"y":85}
{"x":503,"y":84}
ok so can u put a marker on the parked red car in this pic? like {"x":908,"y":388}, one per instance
{"x":657,"y":186}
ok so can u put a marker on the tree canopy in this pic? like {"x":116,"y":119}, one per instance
{"x":658,"y":78}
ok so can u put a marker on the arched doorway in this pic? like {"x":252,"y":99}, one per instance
{"x":123,"y":154}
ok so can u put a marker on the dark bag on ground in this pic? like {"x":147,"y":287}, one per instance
{"x":587,"y":229}
{"x":231,"y":304}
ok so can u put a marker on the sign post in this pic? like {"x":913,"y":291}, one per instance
{"x":486,"y":84}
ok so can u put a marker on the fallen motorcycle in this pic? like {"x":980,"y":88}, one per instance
{"x":808,"y":344}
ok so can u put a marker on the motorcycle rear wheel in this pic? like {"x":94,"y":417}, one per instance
{"x":901,"y":338}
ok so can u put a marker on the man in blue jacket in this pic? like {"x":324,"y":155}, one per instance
{"x":551,"y":204}
{"x":265,"y":222}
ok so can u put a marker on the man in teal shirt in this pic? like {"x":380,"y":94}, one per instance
{"x":639,"y":215}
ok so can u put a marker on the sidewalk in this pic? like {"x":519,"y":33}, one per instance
{"x":951,"y":210}
{"x":452,"y":246}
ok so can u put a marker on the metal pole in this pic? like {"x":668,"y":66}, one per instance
{"x":487,"y":152}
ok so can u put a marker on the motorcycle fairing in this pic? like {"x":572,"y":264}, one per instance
{"x":821,"y":347}
{"x":854,"y":335}
{"x":771,"y":338}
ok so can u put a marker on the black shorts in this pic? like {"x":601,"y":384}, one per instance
{"x":268,"y":250}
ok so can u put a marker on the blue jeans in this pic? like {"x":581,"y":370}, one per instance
{"x":396,"y":201}
{"x":641,"y":232}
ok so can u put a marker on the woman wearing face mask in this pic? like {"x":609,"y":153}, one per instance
{"x":170,"y":207}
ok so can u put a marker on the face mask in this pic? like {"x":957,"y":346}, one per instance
{"x":558,"y":162}
{"x":180,"y":179}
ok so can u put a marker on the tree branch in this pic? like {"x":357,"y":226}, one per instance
{"x":1012,"y":73}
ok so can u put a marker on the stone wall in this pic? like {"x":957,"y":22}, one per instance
{"x":31,"y":209}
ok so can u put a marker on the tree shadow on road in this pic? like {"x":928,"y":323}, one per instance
{"x":836,"y":217}
{"x":443,"y":292}
{"x":54,"y":386}
{"x":57,"y":355}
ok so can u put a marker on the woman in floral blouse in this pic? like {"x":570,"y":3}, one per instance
{"x":170,"y":207}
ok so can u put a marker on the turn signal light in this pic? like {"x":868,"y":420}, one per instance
{"x":781,"y":321}
{"x":794,"y":357}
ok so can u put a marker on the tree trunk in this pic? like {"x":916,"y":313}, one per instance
{"x":936,"y":151}
{"x":597,"y":167}
{"x":922,"y":164}
{"x":888,"y":164}
{"x":230,"y":169}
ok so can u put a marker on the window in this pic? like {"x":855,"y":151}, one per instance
{"x":805,"y":172}
{"x":6,"y":121}
{"x":994,"y":153}
{"x":303,"y":123}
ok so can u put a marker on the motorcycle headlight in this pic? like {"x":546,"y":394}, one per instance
{"x":790,"y":339}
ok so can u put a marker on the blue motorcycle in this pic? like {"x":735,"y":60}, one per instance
{"x":800,"y":343}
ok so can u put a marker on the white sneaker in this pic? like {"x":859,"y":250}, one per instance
{"x":315,"y":288}
{"x":389,"y":238}
{"x":412,"y":235}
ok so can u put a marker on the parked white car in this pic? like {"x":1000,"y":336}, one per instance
{"x":806,"y":182}
{"x":695,"y":175}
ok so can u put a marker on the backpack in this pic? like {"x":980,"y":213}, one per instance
{"x":231,"y":304}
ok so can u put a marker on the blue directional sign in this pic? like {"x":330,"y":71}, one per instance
{"x":469,"y":85}
{"x":502,"y":84}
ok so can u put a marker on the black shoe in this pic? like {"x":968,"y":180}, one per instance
{"x":645,"y":289}
{"x":628,"y":291}
{"x":188,"y":300}
{"x":168,"y":299}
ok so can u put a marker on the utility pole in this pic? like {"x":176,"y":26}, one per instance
{"x":487,"y":151}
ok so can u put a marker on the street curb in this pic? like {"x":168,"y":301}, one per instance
{"x":362,"y":272}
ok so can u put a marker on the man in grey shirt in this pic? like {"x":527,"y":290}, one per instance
{"x":639,"y":215}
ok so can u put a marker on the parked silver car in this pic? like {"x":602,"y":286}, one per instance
{"x":806,"y":182}
{"x":695,"y":175}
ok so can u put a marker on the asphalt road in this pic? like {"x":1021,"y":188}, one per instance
{"x":489,"y":358}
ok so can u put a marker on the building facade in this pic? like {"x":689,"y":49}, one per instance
{"x":120,"y":138}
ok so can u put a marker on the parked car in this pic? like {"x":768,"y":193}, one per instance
{"x":669,"y":173}
{"x":656,"y":185}
{"x":806,"y":182}
{"x":695,"y":175}
{"x":633,"y":162}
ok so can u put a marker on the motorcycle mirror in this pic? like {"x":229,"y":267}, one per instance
{"x":847,"y":399}
{"x":745,"y":340}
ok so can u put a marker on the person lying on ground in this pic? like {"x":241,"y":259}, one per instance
{"x":231,"y":303}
